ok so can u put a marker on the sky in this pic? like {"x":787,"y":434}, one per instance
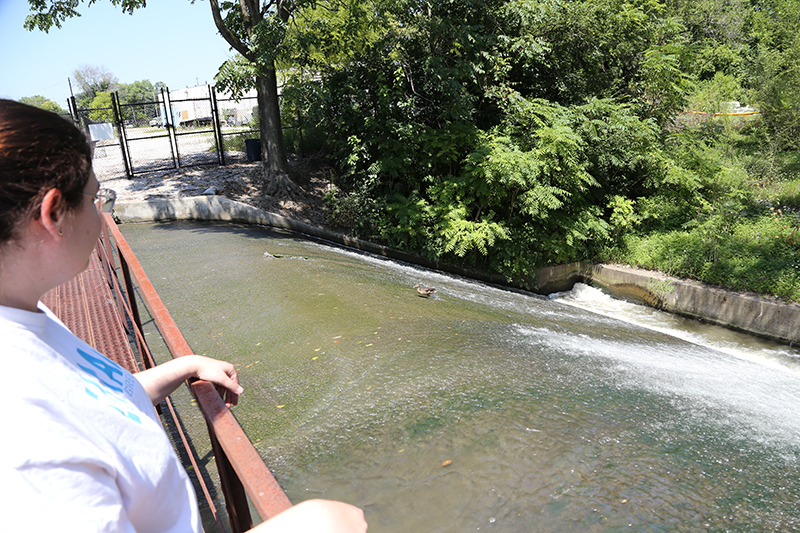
{"x":171,"y":41}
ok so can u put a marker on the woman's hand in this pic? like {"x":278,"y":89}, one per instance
{"x":160,"y":381}
{"x":318,"y":516}
{"x":222,"y":374}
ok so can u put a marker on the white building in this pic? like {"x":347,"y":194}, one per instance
{"x":192,"y":106}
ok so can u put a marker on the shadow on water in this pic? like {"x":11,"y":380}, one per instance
{"x":476,"y":409}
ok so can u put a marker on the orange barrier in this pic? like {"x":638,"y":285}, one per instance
{"x":242,"y":471}
{"x":741,"y":114}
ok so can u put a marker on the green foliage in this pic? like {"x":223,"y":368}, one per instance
{"x":511,"y":134}
{"x":408,"y":222}
{"x":759,"y":253}
{"x":101,"y":110}
{"x":43,"y":103}
{"x":260,"y":40}
{"x":93,"y":80}
{"x":581,"y":50}
{"x":236,"y":76}
{"x":263,"y":39}
{"x":492,"y":134}
{"x":714,"y":95}
{"x":139,"y":92}
{"x":779,"y":96}
{"x":356,"y":211}
{"x":664,"y":82}
{"x":48,"y":13}
{"x":302,"y":104}
{"x":623,"y":214}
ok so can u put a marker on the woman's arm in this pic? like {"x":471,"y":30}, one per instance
{"x":160,"y":381}
{"x":319,"y":516}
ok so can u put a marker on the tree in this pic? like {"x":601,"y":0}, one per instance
{"x":502,"y":134}
{"x":100,"y":106}
{"x":43,"y":103}
{"x":139,"y":92}
{"x":93,"y":80}
{"x":255,"y":29}
{"x":774,"y":73}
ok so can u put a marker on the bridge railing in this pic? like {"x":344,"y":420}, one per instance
{"x":241,"y":469}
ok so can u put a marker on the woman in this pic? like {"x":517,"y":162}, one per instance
{"x":83,"y":449}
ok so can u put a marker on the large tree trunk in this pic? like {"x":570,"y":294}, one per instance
{"x":273,"y":151}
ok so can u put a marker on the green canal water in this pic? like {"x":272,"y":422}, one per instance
{"x":482,"y":409}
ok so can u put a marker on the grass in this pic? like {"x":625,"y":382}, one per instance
{"x":753,"y":246}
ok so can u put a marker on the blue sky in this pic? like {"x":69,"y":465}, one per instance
{"x":172,"y":41}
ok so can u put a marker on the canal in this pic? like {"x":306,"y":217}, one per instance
{"x":482,"y":409}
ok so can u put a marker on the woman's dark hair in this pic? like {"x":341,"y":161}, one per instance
{"x":39,"y":151}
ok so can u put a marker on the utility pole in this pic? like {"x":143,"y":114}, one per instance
{"x":71,"y":105}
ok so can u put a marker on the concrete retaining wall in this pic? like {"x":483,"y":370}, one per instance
{"x":763,"y":317}
{"x":752,"y":314}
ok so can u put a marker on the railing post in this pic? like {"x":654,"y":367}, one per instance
{"x":134,"y":306}
{"x":232,"y":488}
{"x":107,"y":260}
{"x":73,"y":110}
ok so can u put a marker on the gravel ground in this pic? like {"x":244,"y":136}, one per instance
{"x":241,"y":182}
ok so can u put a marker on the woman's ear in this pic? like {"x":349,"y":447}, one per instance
{"x":51,"y":212}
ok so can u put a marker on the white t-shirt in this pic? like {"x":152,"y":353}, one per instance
{"x":82,"y":447}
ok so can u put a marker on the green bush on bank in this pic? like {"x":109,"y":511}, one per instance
{"x":747,"y":238}
{"x":697,"y":206}
{"x":510,"y":135}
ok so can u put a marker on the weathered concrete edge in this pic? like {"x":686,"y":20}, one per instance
{"x":751,"y":314}
{"x":748,"y":313}
{"x":219,"y":208}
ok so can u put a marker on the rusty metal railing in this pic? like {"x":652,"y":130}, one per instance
{"x":242,"y":472}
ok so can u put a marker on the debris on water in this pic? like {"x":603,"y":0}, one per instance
{"x":271,"y":256}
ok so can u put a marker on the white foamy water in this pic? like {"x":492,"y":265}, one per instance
{"x":740,"y":345}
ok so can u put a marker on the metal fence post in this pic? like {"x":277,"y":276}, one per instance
{"x":73,"y":110}
{"x":217,"y":125}
{"x":123,"y":142}
{"x":170,"y":125}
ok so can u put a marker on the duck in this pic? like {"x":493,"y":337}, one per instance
{"x":424,"y":291}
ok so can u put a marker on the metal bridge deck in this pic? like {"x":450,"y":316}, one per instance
{"x":86,"y":305}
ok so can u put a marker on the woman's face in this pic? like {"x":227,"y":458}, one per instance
{"x":84,"y":224}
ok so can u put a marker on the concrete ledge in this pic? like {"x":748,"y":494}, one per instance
{"x":219,"y":208}
{"x":752,"y":314}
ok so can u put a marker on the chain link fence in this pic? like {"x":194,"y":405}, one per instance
{"x":177,"y":129}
